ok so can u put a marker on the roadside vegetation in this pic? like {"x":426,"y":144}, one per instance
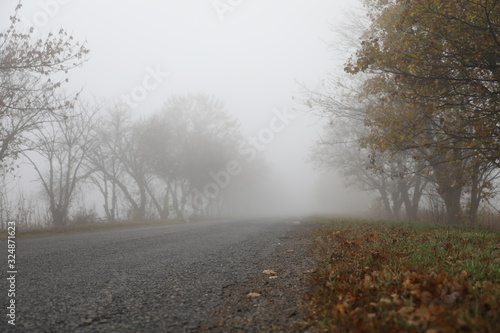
{"x":404,"y":277}
{"x":74,"y":228}
{"x":98,"y":226}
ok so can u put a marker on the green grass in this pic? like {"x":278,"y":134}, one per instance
{"x":401,"y":277}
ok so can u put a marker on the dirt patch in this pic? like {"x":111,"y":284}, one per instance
{"x":273,"y":299}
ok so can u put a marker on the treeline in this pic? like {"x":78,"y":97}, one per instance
{"x":180,"y":161}
{"x":416,"y":117}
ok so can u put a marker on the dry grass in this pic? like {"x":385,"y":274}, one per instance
{"x":20,"y":232}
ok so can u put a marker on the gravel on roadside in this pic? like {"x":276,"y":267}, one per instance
{"x":273,"y":299}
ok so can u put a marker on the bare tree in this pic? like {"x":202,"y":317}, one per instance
{"x":104,"y":163}
{"x":118,"y":165}
{"x":63,"y":145}
{"x":32,"y":72}
{"x":157,"y":165}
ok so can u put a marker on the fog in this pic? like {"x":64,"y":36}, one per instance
{"x":253,"y":56}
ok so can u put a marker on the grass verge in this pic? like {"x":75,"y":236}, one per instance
{"x":400,"y":277}
{"x":97,"y":226}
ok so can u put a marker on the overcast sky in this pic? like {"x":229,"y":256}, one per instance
{"x":248,"y":54}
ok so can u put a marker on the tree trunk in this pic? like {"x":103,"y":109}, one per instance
{"x":410,"y":208}
{"x":450,"y":181}
{"x":451,"y":199}
{"x":162,"y":210}
{"x":385,"y":199}
{"x":59,"y":216}
{"x":397,"y":203}
{"x":475,"y":200}
{"x":175,"y":201}
{"x":418,"y":191}
{"x":411,"y":204}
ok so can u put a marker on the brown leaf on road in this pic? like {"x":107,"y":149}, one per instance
{"x":269,"y":272}
{"x":253,"y":295}
{"x":290,"y":251}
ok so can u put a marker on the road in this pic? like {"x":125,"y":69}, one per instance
{"x":149,"y":279}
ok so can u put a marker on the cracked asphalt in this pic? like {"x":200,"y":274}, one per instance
{"x":149,"y":279}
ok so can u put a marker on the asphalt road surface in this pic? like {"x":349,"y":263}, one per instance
{"x":150,"y":279}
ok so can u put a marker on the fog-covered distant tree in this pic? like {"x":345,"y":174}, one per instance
{"x":62,"y":146}
{"x":104,"y":162}
{"x":191,"y":139}
{"x":32,"y":73}
{"x":163,"y":165}
{"x":135,"y":167}
{"x":395,"y":178}
{"x":119,"y":165}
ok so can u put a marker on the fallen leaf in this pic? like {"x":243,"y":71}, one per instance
{"x":385,"y":300}
{"x":290,"y":251}
{"x":340,"y":307}
{"x":406,"y":310}
{"x":421,"y":315}
{"x":426,"y":296}
{"x":466,"y":255}
{"x":436,"y":309}
{"x":417,"y":293}
{"x":269,"y":272}
{"x":273,"y":277}
{"x":252,"y":295}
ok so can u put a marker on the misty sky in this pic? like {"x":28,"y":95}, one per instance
{"x":251,"y":55}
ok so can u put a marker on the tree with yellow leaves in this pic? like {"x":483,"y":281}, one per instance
{"x":434,"y":70}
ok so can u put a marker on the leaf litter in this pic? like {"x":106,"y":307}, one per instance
{"x":394,"y":277}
